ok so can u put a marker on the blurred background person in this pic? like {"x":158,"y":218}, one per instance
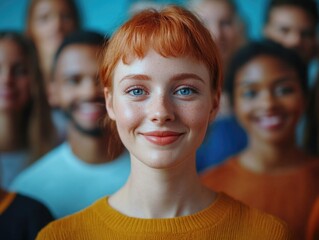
{"x":293,"y":24}
{"x":92,"y":162}
{"x":26,"y":130}
{"x":222,"y":19}
{"x":48,"y":22}
{"x":225,"y":137}
{"x":21,"y":218}
{"x":267,"y":88}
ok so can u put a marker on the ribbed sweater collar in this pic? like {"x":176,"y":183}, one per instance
{"x":205,"y":218}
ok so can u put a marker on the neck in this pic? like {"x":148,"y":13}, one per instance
{"x":162,"y":193}
{"x":12,"y":131}
{"x":87,"y":148}
{"x":264,"y":157}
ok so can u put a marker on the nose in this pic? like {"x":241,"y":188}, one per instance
{"x":57,"y":23}
{"x":161,"y":109}
{"x":90,"y":88}
{"x":293,"y":40}
{"x":267,"y":101}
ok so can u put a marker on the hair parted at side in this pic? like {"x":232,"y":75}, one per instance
{"x":171,"y":32}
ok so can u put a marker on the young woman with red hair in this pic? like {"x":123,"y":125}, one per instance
{"x":162,"y":82}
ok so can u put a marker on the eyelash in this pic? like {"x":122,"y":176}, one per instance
{"x":129,"y":90}
{"x":193,"y":90}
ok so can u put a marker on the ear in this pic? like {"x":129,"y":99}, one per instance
{"x":215,"y":106}
{"x":109,"y":103}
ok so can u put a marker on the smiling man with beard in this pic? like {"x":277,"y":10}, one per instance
{"x":92,"y":162}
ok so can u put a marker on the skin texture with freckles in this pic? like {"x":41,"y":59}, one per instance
{"x":147,"y":97}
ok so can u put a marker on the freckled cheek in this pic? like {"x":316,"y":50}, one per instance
{"x":195,"y":117}
{"x":128,"y":116}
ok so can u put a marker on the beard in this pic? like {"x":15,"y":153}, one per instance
{"x":96,"y":131}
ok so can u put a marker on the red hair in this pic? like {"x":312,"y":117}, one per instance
{"x":171,"y":32}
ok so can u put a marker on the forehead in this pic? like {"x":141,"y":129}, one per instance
{"x":215,"y":10}
{"x":156,"y":66}
{"x":264,"y":68}
{"x":51,"y":6}
{"x":78,"y":58}
{"x":290,"y":16}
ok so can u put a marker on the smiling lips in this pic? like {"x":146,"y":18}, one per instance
{"x":271,"y":122}
{"x":162,"y":138}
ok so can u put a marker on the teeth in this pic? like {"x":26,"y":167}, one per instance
{"x":270,"y":121}
{"x":89,"y":108}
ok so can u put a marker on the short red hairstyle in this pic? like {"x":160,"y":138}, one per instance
{"x":171,"y":32}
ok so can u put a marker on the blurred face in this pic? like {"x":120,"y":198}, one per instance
{"x":162,"y":107}
{"x":268,"y":99}
{"x":78,"y":89}
{"x":293,"y":28}
{"x":221,"y":21}
{"x":14,"y":77}
{"x":51,"y":21}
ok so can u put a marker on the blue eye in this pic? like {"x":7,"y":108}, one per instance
{"x":185,"y":91}
{"x":136,"y":92}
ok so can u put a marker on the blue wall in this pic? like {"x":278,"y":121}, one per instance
{"x":106,"y":15}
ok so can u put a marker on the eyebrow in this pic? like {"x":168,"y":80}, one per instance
{"x":136,"y":77}
{"x":183,"y":76}
{"x":177,"y":77}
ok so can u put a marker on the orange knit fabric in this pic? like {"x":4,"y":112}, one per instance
{"x":224,"y":219}
{"x":288,"y":195}
{"x":313,"y":228}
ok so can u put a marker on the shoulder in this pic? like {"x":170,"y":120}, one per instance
{"x":221,"y":169}
{"x":30,"y":204}
{"x":257,"y":224}
{"x":42,"y":167}
{"x":74,"y":225}
{"x":24,"y":217}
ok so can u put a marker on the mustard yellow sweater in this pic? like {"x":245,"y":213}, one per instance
{"x":224,"y":219}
